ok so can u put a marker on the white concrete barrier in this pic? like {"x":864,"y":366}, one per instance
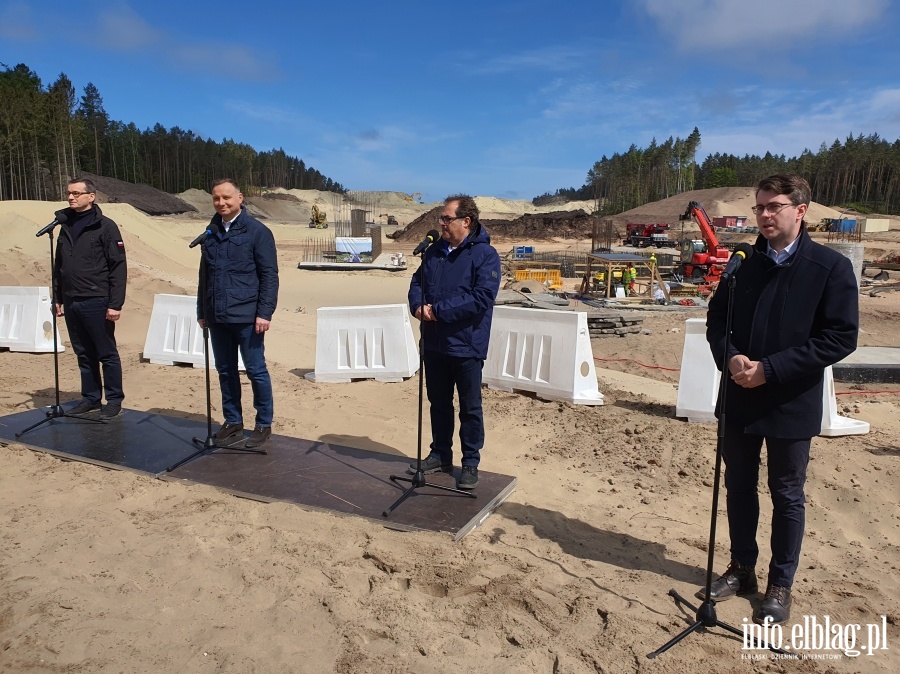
{"x":544,"y":351}
{"x":367,"y":342}
{"x":698,"y":381}
{"x":833,"y":424}
{"x":698,"y":387}
{"x":174,"y":336}
{"x":26,"y":319}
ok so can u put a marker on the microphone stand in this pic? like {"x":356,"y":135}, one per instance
{"x":418,"y":479}
{"x":209,"y":445}
{"x":706,"y":614}
{"x":56,"y":411}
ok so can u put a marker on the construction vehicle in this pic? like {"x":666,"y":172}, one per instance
{"x":391,"y":220}
{"x":641,"y":236}
{"x":415,"y":196}
{"x":824,"y":225}
{"x":318,"y":219}
{"x":702,"y":260}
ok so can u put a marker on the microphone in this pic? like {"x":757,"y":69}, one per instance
{"x":211,"y":229}
{"x":429,"y":239}
{"x":60,"y":218}
{"x":741,"y":252}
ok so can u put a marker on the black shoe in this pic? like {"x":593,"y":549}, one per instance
{"x":737,"y":579}
{"x":84,"y":407}
{"x":228,"y":434}
{"x":431,"y":464}
{"x":110,"y":410}
{"x":468,"y":478}
{"x":776,"y":607}
{"x":259,"y":435}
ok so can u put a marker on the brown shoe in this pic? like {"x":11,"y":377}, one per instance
{"x":736,"y":580}
{"x":776,"y":607}
{"x":228,"y":434}
{"x":259,"y":435}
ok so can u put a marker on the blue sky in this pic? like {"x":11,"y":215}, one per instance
{"x":509,"y":99}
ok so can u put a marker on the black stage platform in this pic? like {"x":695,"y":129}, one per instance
{"x":311,"y":474}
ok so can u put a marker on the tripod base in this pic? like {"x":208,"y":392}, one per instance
{"x":208,"y":446}
{"x":417,"y":481}
{"x":57,"y":412}
{"x":706,"y":617}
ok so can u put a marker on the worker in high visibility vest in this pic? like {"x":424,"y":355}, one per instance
{"x":652,"y":260}
{"x":627,"y":279}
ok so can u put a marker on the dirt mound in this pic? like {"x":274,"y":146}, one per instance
{"x":558,"y":224}
{"x":143,"y":197}
{"x":718,"y":201}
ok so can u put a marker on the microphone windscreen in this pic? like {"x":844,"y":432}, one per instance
{"x":745,"y":248}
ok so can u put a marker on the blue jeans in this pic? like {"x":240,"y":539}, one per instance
{"x":94,"y":343}
{"x":227,"y":339}
{"x":442,"y":374}
{"x":786,"y":461}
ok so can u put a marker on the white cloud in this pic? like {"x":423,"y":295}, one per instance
{"x":122,"y":28}
{"x":17,"y":22}
{"x":701,"y":25}
{"x":555,"y":58}
{"x":234,"y":61}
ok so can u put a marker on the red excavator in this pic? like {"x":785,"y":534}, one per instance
{"x":702,"y":260}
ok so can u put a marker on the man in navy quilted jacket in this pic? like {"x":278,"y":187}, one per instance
{"x":239,"y":272}
{"x":461,"y":281}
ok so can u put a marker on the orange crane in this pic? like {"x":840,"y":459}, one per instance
{"x":702,"y":260}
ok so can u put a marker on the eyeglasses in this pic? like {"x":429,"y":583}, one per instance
{"x":773,"y":208}
{"x":76,"y":194}
{"x":446,"y":219}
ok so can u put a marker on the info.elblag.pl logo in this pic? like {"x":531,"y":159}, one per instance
{"x":815,"y":638}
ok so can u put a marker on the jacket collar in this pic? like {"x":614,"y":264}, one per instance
{"x":762,"y":245}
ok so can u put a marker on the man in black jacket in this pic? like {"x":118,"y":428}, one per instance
{"x":796,"y":311}
{"x":89,"y":290}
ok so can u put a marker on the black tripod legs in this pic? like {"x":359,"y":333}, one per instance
{"x":209,"y":446}
{"x":416,"y":481}
{"x":57,"y":412}
{"x":706,"y":617}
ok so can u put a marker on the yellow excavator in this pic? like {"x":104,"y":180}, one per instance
{"x":318,"y":219}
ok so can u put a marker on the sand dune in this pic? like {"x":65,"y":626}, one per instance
{"x":108,"y":571}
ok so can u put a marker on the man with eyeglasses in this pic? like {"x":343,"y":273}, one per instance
{"x":796,"y":311}
{"x":89,"y":290}
{"x":461,"y":281}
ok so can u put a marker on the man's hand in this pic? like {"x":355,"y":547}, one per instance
{"x":746,"y":373}
{"x":262,"y":325}
{"x":425,"y":313}
{"x":59,"y":309}
{"x":202,"y":323}
{"x":112,"y":314}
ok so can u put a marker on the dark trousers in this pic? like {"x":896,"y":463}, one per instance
{"x":94,"y":343}
{"x":442,"y":375}
{"x":227,"y":339}
{"x":786,"y":461}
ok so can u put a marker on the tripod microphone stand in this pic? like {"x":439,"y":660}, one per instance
{"x":418,"y":478}
{"x":209,"y":445}
{"x":706,"y":614}
{"x":56,"y":411}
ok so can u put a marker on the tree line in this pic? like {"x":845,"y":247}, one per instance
{"x":862,"y":172}
{"x":48,"y":136}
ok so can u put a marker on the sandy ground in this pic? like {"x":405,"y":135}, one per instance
{"x":108,"y":571}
